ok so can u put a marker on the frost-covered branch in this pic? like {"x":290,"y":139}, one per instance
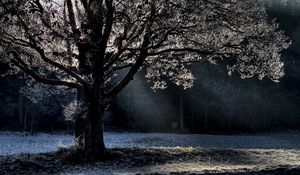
{"x":89,"y":41}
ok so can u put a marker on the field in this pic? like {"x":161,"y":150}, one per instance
{"x":155,"y":153}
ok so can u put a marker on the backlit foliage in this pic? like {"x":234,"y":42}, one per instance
{"x":80,"y":43}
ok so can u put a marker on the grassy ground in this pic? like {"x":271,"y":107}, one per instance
{"x":160,"y":161}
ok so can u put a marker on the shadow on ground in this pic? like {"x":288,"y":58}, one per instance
{"x":156,"y":161}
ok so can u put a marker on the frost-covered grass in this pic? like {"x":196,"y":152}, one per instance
{"x":194,"y":160}
{"x":15,"y":143}
{"x":146,"y":153}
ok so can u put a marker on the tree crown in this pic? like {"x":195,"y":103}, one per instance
{"x":91,"y":43}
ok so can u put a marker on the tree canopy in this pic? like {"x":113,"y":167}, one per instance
{"x":72,"y":42}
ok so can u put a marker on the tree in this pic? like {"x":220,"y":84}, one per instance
{"x":87,"y":45}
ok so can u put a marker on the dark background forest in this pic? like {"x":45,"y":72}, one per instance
{"x":217,"y":103}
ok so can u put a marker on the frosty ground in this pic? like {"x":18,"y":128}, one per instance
{"x":150,"y":153}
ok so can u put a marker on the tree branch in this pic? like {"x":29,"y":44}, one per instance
{"x":23,"y":66}
{"x":135,"y":67}
{"x":59,"y":66}
{"x":202,"y":52}
{"x":71,"y":16}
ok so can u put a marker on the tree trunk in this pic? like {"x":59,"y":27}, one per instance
{"x":181,"y":113}
{"x":32,"y":121}
{"x":79,"y":128}
{"x":94,"y":143}
{"x":80,"y":119}
{"x":21,"y":109}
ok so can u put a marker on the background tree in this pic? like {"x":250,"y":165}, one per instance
{"x":88,"y":44}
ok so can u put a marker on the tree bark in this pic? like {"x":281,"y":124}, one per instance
{"x":79,"y":128}
{"x":93,"y":139}
{"x":80,"y":119}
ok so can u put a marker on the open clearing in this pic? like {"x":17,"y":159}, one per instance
{"x":140,"y":153}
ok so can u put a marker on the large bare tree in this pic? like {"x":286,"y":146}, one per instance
{"x":87,"y":45}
